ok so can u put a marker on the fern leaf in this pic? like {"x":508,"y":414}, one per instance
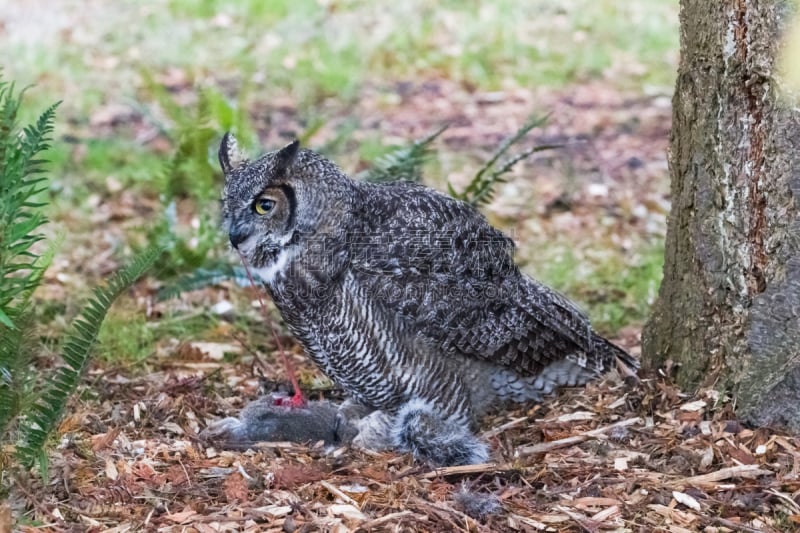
{"x":16,"y":381}
{"x":403,"y":164}
{"x":481,"y":188}
{"x":201,"y":278}
{"x":20,"y":219}
{"x":37,"y":138}
{"x":10,"y":392}
{"x":5,"y":320}
{"x":46,"y":412}
{"x":21,"y":269}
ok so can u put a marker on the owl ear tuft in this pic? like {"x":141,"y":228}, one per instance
{"x":286,"y":155}
{"x":229,"y":154}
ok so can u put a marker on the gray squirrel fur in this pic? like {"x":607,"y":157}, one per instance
{"x":264,"y":421}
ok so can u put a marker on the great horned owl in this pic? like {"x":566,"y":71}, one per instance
{"x":407,"y":298}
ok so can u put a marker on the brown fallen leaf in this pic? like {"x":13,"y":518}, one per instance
{"x":235,"y":488}
{"x":182,"y":517}
{"x":291,"y":476}
{"x":5,"y":518}
{"x":111,"y":469}
{"x":178,"y":475}
{"x":102,"y":441}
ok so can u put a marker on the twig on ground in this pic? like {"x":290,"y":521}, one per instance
{"x":391,"y":518}
{"x":500,"y":429}
{"x":716,"y":520}
{"x":544,"y":447}
{"x":464,"y":469}
{"x":339,"y":494}
{"x":746,"y":471}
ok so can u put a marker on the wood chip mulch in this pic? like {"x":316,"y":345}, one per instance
{"x":615,"y":456}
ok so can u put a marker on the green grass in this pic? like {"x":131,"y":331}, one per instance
{"x":616,"y":290}
{"x":128,"y":162}
{"x":320,"y":49}
{"x":125,"y":337}
{"x":186,"y":326}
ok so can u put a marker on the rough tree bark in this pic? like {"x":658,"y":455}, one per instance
{"x":728,"y":311}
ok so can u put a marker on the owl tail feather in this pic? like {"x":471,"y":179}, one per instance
{"x":424,"y":432}
{"x":610,"y":353}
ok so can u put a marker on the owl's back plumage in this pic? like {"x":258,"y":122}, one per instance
{"x":451,"y":276}
{"x":404,"y":296}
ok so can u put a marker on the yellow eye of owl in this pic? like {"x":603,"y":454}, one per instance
{"x":264,"y":205}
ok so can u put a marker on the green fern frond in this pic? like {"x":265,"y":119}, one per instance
{"x":37,"y":138}
{"x":189,"y":172}
{"x":15,"y":380}
{"x":192,"y":170}
{"x":20,"y":182}
{"x":43,"y":416}
{"x":17,"y":342}
{"x":481,"y":188}
{"x":204,"y":277}
{"x":404,"y":163}
{"x":9,"y":107}
{"x":21,"y":269}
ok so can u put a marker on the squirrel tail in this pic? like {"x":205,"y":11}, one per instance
{"x":423,"y":431}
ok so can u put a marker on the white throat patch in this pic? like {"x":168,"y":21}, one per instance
{"x":269,"y":274}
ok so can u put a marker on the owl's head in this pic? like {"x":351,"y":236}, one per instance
{"x":272,"y":203}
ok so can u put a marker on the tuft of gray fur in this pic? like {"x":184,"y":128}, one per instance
{"x":478,"y":505}
{"x":420,"y":429}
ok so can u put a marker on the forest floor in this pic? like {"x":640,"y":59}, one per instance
{"x":588,"y":219}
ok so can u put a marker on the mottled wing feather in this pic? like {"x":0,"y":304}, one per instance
{"x":526,"y":331}
{"x":451,"y":277}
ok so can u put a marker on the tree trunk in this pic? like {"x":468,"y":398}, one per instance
{"x":728,"y":312}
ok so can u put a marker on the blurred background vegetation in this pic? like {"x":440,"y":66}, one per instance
{"x":148,"y":88}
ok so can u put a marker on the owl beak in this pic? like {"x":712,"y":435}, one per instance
{"x":237,"y":236}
